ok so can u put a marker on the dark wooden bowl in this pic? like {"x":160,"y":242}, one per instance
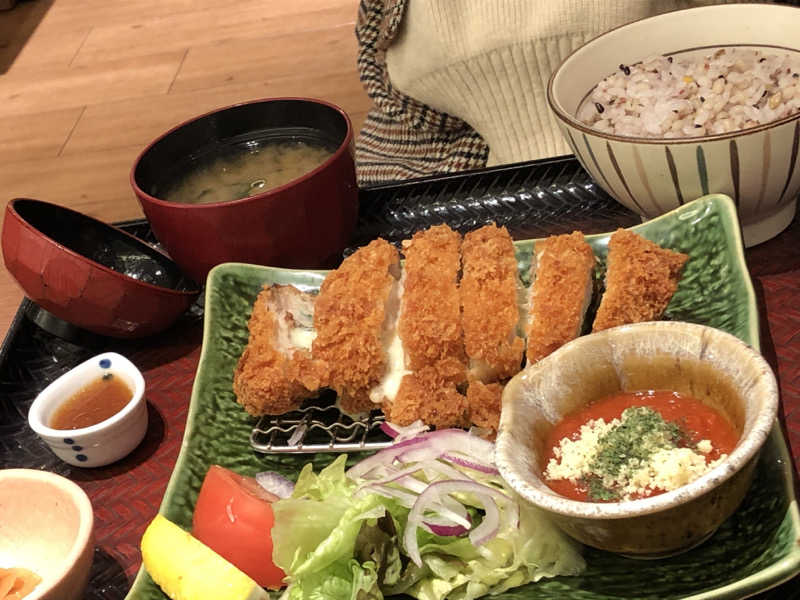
{"x":91,"y":274}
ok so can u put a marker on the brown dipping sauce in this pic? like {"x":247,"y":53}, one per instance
{"x":96,"y":402}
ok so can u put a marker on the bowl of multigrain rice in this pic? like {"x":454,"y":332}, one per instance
{"x":673,"y":107}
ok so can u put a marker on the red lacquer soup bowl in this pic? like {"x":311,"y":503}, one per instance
{"x":304,"y":223}
{"x":91,"y":274}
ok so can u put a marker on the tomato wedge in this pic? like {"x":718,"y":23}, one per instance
{"x":233,"y":516}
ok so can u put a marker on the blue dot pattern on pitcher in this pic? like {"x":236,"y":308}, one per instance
{"x":105,"y":363}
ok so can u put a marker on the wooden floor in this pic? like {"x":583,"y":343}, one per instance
{"x":86,"y":84}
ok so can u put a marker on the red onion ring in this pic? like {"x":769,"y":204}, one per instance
{"x":488,"y":497}
{"x":275,"y":483}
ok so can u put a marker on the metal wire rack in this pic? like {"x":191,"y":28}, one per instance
{"x":318,"y":426}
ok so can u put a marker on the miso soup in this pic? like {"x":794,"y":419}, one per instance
{"x":249,"y":171}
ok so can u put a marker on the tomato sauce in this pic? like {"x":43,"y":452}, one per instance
{"x":697,"y":420}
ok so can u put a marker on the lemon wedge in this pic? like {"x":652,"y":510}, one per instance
{"x":187,"y":569}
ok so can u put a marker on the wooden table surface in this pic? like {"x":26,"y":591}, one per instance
{"x":86,"y":84}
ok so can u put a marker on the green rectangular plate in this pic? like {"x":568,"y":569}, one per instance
{"x":755,"y":549}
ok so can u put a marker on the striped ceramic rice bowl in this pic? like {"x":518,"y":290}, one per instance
{"x":661,"y":130}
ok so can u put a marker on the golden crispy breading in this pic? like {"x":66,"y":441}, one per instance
{"x":429,"y":326}
{"x":641,"y":278}
{"x":489,"y":306}
{"x":562,"y":271}
{"x":485,"y":404}
{"x":271,"y":376}
{"x":348,"y":318}
{"x":430,"y":314}
{"x":423,"y":395}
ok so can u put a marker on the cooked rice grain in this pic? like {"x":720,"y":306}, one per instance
{"x":670,"y":97}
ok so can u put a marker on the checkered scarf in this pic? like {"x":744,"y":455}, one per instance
{"x":401,"y":137}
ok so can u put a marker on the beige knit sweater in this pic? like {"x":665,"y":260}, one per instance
{"x":488,"y":61}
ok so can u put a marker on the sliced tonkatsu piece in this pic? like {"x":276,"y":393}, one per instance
{"x":429,"y":327}
{"x":562,"y":271}
{"x":489,"y":305}
{"x":385,"y":389}
{"x":430,"y":314}
{"x":485,"y":404}
{"x":275,"y":372}
{"x":641,"y":278}
{"x":423,"y":395}
{"x":349,"y":319}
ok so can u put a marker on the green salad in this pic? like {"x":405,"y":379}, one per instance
{"x":429,"y":516}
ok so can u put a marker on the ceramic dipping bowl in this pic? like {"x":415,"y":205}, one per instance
{"x":650,"y":176}
{"x":91,"y":274}
{"x":710,"y":365}
{"x":46,"y":526}
{"x":107,"y":441}
{"x":305,"y":223}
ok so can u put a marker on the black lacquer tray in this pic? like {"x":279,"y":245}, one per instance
{"x":532,"y":199}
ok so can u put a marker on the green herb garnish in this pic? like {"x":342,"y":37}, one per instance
{"x":597,"y":491}
{"x":641,"y":433}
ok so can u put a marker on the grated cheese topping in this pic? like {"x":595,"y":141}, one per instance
{"x":630,"y":456}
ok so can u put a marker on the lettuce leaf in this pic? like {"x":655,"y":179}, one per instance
{"x":337,"y":542}
{"x":460,"y":571}
{"x":328,"y":540}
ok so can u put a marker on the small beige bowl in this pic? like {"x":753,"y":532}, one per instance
{"x":713,"y":366}
{"x":46,"y":526}
{"x":756,"y":167}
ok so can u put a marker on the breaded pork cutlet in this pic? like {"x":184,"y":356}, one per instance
{"x":641,"y":278}
{"x":489,"y":305}
{"x":562,"y":272}
{"x":485,"y":404}
{"x":430,"y":314}
{"x":429,"y":326}
{"x":275,"y":372}
{"x":349,"y":319}
{"x":422,"y":396}
{"x":490,"y":318}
